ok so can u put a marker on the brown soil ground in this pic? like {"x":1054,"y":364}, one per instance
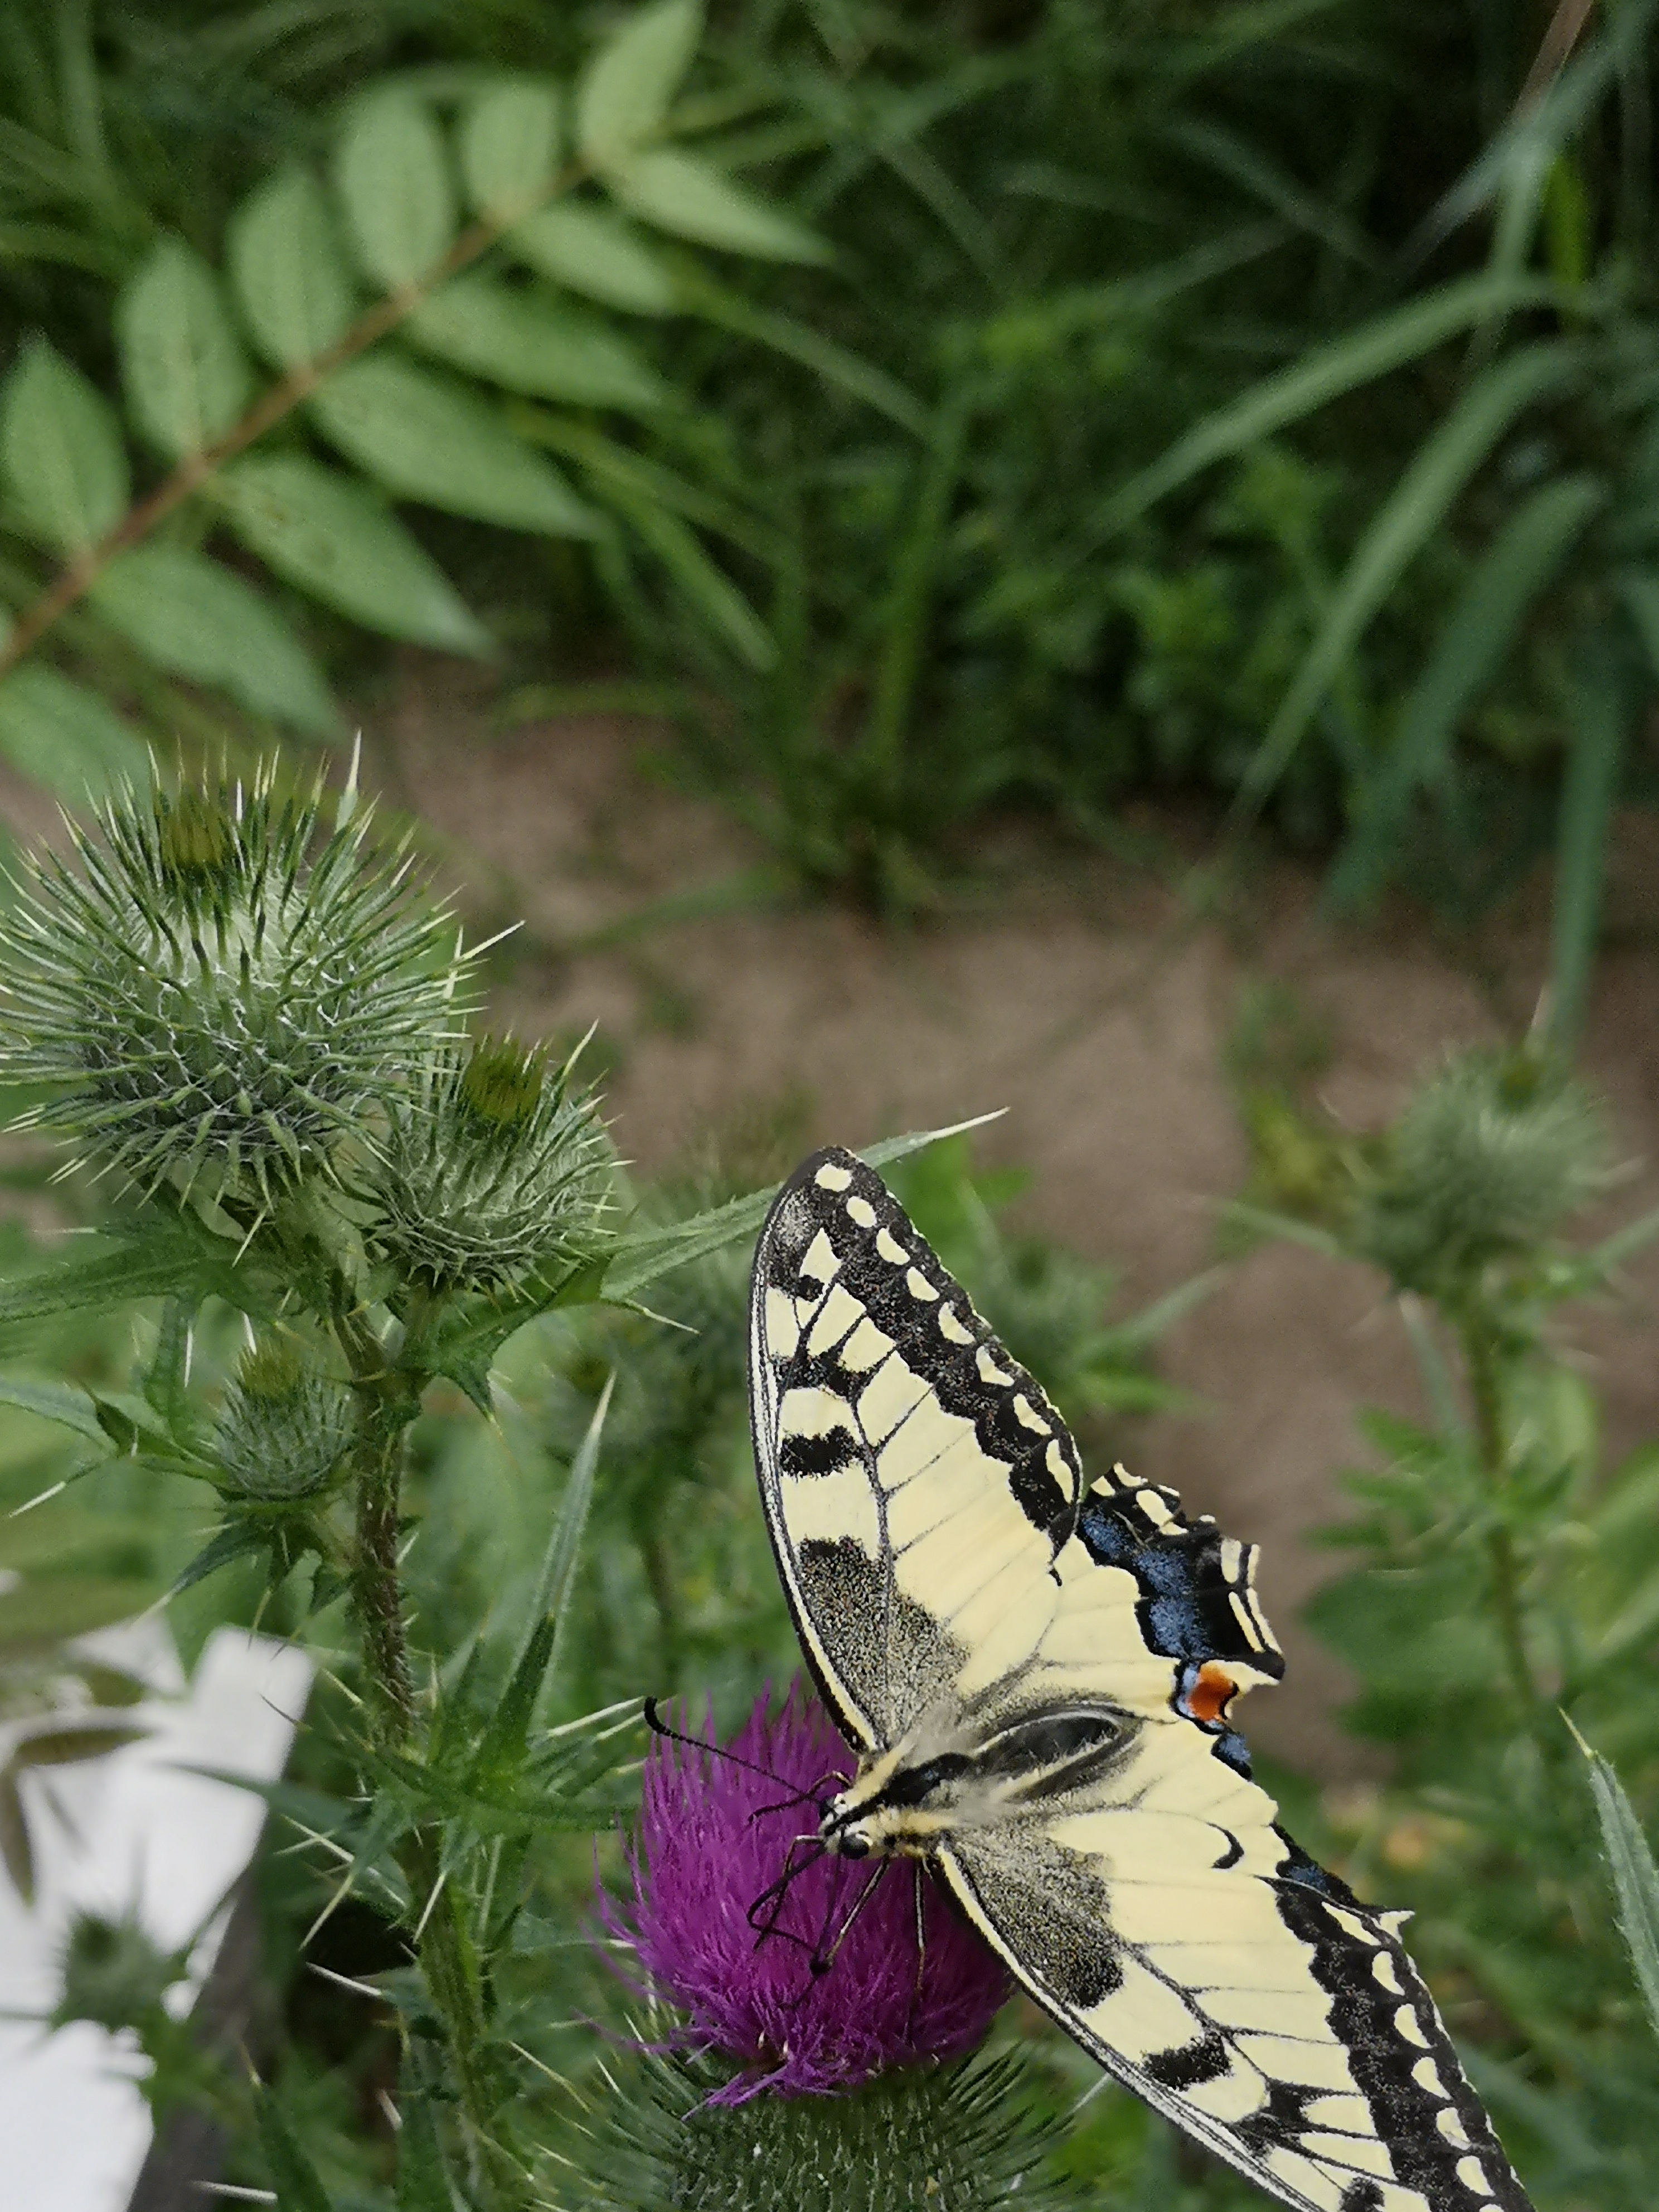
{"x":1072,"y":993}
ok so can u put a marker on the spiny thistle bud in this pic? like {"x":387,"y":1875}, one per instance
{"x":221,"y":987}
{"x":113,"y":1973}
{"x":1489,"y":1157}
{"x":493,"y":1168}
{"x":962,"y":2139}
{"x":283,"y":1429}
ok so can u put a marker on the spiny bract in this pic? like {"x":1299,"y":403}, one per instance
{"x":491,"y":1168}
{"x":283,"y":1429}
{"x":217,"y":986}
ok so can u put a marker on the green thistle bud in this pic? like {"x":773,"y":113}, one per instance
{"x":1488,"y":1159}
{"x":220,"y":987}
{"x":283,"y":1429}
{"x":493,"y":1168}
{"x":959,"y":2138}
{"x":113,"y":1973}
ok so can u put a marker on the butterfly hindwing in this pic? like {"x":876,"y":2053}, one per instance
{"x":1075,"y":1646}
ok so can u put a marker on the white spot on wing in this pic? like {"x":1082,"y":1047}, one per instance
{"x":1028,"y":1416}
{"x":812,"y":1412}
{"x":890,"y":1248}
{"x":833,"y":1509}
{"x":1472,"y":2175}
{"x":860,"y":1210}
{"x":866,"y":1347}
{"x":830,"y":1177}
{"x":918,"y":1285}
{"x":1452,"y":2128}
{"x":1384,"y":1970}
{"x":782,"y":1329}
{"x":988,"y":1370}
{"x":951,"y":1328}
{"x":1407,"y":2025}
{"x":839,"y":1315}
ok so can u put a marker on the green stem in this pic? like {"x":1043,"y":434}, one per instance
{"x":389,"y":1399}
{"x":1480,"y":1362}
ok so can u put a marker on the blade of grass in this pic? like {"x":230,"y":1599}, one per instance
{"x":1604,"y":712}
{"x":1515,"y":567}
{"x":1398,"y":531}
{"x":1325,"y":374}
{"x":1635,"y":1878}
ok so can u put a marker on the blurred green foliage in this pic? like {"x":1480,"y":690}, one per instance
{"x":1253,"y":401}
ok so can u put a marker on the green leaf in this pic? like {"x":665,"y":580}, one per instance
{"x":530,"y":345}
{"x":72,"y":1408}
{"x":623,"y":98}
{"x":1638,"y":592}
{"x":295,"y":2179}
{"x":65,"y":1747}
{"x":709,"y":589}
{"x":641,"y":1258}
{"x":198,"y":619}
{"x":238,"y":1539}
{"x":63,"y":736}
{"x":157,"y":1265}
{"x":393,"y":171}
{"x":509,"y":145}
{"x":426,"y":437}
{"x":61,"y":449}
{"x":595,"y":252}
{"x":331,"y":537}
{"x":1325,"y":374}
{"x":290,"y":274}
{"x":848,"y":372}
{"x":1397,"y":532}
{"x":1635,"y":1878}
{"x":422,"y":2184}
{"x":1605,"y":710}
{"x":14,"y":1847}
{"x":551,"y":1597}
{"x":187,"y":379}
{"x":1468,"y":653}
{"x":694,"y":200}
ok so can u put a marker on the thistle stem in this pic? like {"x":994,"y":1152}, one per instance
{"x":389,"y":1399}
{"x":1481,"y":1363}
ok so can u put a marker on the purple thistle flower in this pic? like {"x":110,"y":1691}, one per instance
{"x":713,"y":1840}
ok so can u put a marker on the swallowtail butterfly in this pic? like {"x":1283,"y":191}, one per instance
{"x":1035,"y":1671}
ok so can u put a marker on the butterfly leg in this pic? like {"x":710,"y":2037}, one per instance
{"x":764,"y":1921}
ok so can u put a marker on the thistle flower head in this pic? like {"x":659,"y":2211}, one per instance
{"x":1489,"y":1157}
{"x":215,"y":987}
{"x":713,"y":1841}
{"x":492,"y":1167}
{"x":282,"y":1428}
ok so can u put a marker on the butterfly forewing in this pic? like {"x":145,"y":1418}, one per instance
{"x":954,"y":1578}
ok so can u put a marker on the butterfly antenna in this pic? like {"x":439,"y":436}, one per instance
{"x":659,"y":1726}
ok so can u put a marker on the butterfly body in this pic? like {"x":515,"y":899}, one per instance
{"x":1035,"y":1671}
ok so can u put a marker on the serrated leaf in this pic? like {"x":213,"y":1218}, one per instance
{"x":159,"y":1263}
{"x":509,"y":145}
{"x":531,"y":345}
{"x":14,"y":1846}
{"x":692,"y":199}
{"x":1635,"y":1880}
{"x":70,"y":1406}
{"x":63,"y":736}
{"x":427,"y":437}
{"x":290,"y":277}
{"x":331,"y":537}
{"x":187,"y":379}
{"x":595,"y":252}
{"x":625,"y":95}
{"x":641,"y":1258}
{"x":393,"y":171}
{"x":236,"y":1540}
{"x":198,"y":619}
{"x":61,"y":448}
